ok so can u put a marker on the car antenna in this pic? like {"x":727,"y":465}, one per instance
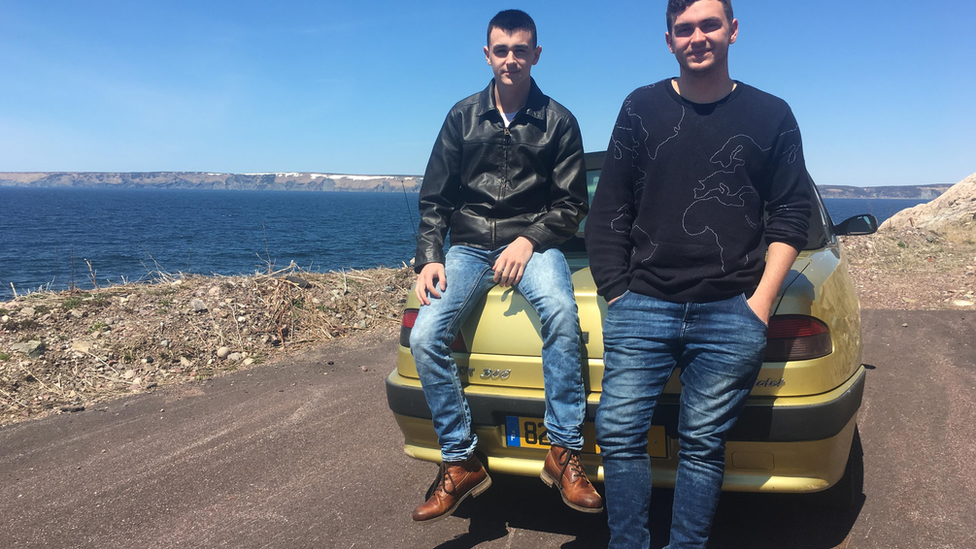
{"x":416,"y":235}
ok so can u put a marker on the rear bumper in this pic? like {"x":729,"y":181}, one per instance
{"x":779,"y":444}
{"x":765,"y":419}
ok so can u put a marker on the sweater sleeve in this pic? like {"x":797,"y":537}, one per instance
{"x":612,"y":212}
{"x":788,"y":200}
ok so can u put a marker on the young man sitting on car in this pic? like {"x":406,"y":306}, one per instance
{"x":506,"y":176}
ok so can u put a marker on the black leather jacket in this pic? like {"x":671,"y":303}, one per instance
{"x":491,"y":185}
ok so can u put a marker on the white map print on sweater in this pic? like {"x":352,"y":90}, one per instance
{"x":714,"y":191}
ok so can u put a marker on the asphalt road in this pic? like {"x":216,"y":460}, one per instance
{"x":306,"y":455}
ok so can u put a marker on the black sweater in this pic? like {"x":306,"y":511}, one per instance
{"x":678,"y":213}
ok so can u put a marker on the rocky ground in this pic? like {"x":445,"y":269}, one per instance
{"x":921,"y":257}
{"x":915,"y":269}
{"x":63,"y":352}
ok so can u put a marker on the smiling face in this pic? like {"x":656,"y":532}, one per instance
{"x":700,"y":37}
{"x":511,"y":56}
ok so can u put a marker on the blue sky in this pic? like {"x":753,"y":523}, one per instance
{"x":885,"y":92}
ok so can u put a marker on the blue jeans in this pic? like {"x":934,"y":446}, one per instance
{"x":719,"y":347}
{"x":547,"y":286}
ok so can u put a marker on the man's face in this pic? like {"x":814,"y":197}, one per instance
{"x":511,"y":56}
{"x":701,"y":35}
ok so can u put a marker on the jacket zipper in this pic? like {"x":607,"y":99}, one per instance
{"x":504,"y":186}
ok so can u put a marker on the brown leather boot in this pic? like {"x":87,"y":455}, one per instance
{"x":455,"y":481}
{"x":564,"y":471}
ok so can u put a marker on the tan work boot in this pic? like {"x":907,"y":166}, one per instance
{"x":564,"y":471}
{"x":455,"y":481}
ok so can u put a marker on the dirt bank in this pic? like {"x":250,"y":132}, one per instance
{"x":62,"y":352}
{"x":915,"y":269}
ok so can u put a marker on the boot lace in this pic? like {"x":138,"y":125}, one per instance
{"x":440,"y":482}
{"x":570,"y":459}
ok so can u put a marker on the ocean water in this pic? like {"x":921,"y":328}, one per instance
{"x":882,"y":208}
{"x":49,"y":236}
{"x":45,"y":234}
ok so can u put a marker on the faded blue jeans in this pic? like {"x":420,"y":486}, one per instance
{"x":719,"y":347}
{"x":547,"y":286}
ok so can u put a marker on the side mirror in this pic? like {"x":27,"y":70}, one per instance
{"x":857,"y":225}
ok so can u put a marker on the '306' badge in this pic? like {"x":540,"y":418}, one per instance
{"x":488,"y":373}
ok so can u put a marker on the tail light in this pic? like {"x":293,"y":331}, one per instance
{"x":407,"y":322}
{"x":796,"y":337}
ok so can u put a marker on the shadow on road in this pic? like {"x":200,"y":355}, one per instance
{"x":762,"y":521}
{"x":526,"y":503}
{"x":753,"y":521}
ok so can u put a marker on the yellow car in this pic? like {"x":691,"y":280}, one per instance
{"x":798,"y":432}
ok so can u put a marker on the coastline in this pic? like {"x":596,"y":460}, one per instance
{"x":62,"y":352}
{"x":321,"y":182}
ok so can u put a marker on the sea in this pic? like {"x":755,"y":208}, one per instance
{"x":59,"y":238}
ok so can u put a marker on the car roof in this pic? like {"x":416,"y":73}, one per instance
{"x":594,"y":160}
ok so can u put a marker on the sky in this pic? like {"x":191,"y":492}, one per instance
{"x":884,"y":91}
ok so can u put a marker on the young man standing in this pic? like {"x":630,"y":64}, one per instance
{"x":506,"y":176}
{"x":702,"y":206}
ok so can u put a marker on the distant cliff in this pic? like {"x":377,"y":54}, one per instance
{"x":920,"y":192}
{"x":216,"y":181}
{"x":337,"y":182}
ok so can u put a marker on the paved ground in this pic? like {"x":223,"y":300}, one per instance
{"x":306,"y":455}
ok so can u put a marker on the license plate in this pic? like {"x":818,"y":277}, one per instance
{"x":530,"y":432}
{"x":526,"y":432}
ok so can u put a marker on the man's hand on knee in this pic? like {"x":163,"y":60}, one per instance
{"x":510,"y":265}
{"x":430,"y":278}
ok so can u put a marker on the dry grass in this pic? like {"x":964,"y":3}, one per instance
{"x":915,"y":269}
{"x":132,"y":338}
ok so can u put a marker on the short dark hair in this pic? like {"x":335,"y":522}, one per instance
{"x":677,"y":7}
{"x":511,"y":21}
